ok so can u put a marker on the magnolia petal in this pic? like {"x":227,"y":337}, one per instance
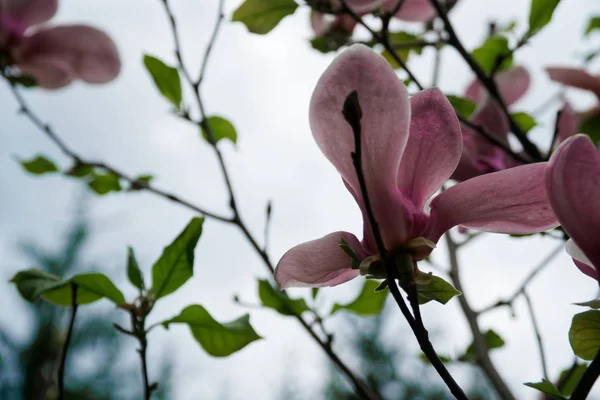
{"x":580,"y":260}
{"x":319,"y":262}
{"x":89,"y":52}
{"x":489,"y":157}
{"x":411,"y":10}
{"x":575,"y":77}
{"x":512,"y":84}
{"x":385,"y":126}
{"x":318,"y":23}
{"x":568,"y":123}
{"x":509,"y":201}
{"x":359,"y":6}
{"x":29,"y":12}
{"x":48,"y":72}
{"x":573,"y":183}
{"x":433,"y":149}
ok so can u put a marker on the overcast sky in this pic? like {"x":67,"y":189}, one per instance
{"x":263,"y":85}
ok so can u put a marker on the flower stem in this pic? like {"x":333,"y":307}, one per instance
{"x":63,"y":357}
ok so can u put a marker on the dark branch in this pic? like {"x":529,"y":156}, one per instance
{"x":63,"y":357}
{"x":588,"y":379}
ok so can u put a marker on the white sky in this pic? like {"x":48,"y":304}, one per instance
{"x":263,"y":85}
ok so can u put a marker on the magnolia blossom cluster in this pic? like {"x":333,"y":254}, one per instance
{"x":411,"y":146}
{"x":54,"y":55}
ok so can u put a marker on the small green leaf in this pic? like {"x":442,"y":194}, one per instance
{"x":221,"y":129}
{"x":570,"y":377}
{"x":176,"y":264}
{"x":547,"y":387}
{"x":261,"y":16}
{"x":595,"y":304}
{"x":591,"y":127}
{"x":314,"y":292}
{"x":39,"y":165}
{"x":140,"y":182}
{"x":79,"y":170}
{"x":103,"y":183}
{"x":368,"y":301}
{"x":493,"y":341}
{"x":540,"y":14}
{"x":525,"y":121}
{"x":134,"y":273}
{"x":219,"y":340}
{"x":437,"y":289}
{"x":584,"y":334}
{"x":463,"y":107}
{"x":35,"y":283}
{"x":443,"y":358}
{"x":25,"y":81}
{"x":399,"y":41}
{"x":166,"y":79}
{"x":492,"y":50}
{"x":273,"y":298}
{"x":593,"y":25}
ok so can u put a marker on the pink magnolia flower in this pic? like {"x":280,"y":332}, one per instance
{"x":322,"y":25}
{"x":581,"y":79}
{"x":410,"y":147}
{"x":573,"y":184}
{"x":54,"y":56}
{"x":411,"y":10}
{"x":512,"y":84}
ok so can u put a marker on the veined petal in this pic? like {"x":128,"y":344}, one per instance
{"x":573,"y":183}
{"x":29,"y":12}
{"x":385,"y":126}
{"x":319,"y":262}
{"x":89,"y":52}
{"x":580,"y":260}
{"x":509,"y":201}
{"x":575,"y":77}
{"x":412,"y":10}
{"x":433,"y":149}
{"x":512,"y":84}
{"x":48,"y":72}
{"x":568,"y":123}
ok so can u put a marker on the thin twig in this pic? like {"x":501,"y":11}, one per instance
{"x":63,"y":357}
{"x":481,"y":348}
{"x":353,"y":114}
{"x":489,"y":83}
{"x":538,"y":335}
{"x":588,"y":379}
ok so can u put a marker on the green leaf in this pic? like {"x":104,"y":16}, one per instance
{"x":402,"y":39}
{"x":25,"y":81}
{"x":219,"y":340}
{"x":166,"y":79}
{"x":368,"y":301}
{"x":593,"y":25}
{"x":595,"y":304}
{"x":463,"y":107}
{"x":103,"y":183}
{"x":221,"y":129}
{"x":38,"y":165}
{"x":540,"y":14}
{"x":570,"y":377}
{"x":134,"y":273}
{"x":494,"y":48}
{"x":261,"y":16}
{"x":525,"y":121}
{"x":591,"y":127}
{"x":140,"y":182}
{"x":35,"y":283}
{"x":547,"y":387}
{"x":584,"y":334}
{"x":493,"y":341}
{"x":314,"y":292}
{"x":443,"y":358}
{"x":437,"y":289}
{"x":79,"y":170}
{"x":176,"y":264}
{"x":273,"y":298}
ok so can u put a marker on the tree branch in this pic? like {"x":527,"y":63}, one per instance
{"x":63,"y":357}
{"x":538,"y":335}
{"x":588,"y":379}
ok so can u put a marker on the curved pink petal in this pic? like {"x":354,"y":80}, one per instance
{"x":412,"y":10}
{"x":433,"y":149}
{"x":580,"y":260}
{"x":568,"y":124}
{"x":359,"y":6}
{"x":573,"y":183}
{"x":29,"y":12}
{"x":385,"y":125}
{"x":48,"y":72}
{"x":575,"y":77}
{"x":89,"y":52}
{"x":489,"y":157}
{"x":318,"y":263}
{"x":466,"y":168}
{"x":509,"y":201}
{"x":318,"y":23}
{"x":512,"y":84}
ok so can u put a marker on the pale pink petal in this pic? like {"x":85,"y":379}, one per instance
{"x":575,"y":77}
{"x":318,"y":23}
{"x":573,"y":183}
{"x":48,"y":72}
{"x":29,"y":12}
{"x":568,"y":124}
{"x":512,"y":84}
{"x":580,"y":260}
{"x":359,"y":6}
{"x":509,"y":201}
{"x":319,"y":262}
{"x":412,"y":10}
{"x":488,"y":156}
{"x":433,"y":149}
{"x":466,"y":168}
{"x":89,"y":52}
{"x":385,"y":125}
